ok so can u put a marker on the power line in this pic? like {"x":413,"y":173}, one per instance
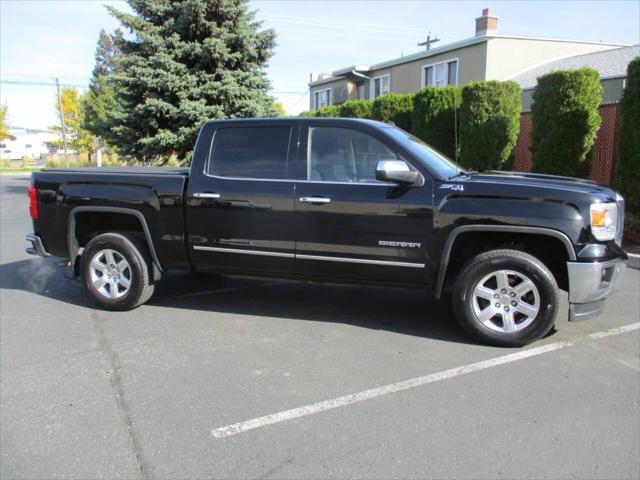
{"x":42,"y":84}
{"x":346,"y":25}
{"x":77,"y":85}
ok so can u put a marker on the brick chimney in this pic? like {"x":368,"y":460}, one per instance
{"x":486,"y":24}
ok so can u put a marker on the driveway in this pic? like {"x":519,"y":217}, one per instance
{"x":239,"y":378}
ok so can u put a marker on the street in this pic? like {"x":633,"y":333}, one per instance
{"x":365,"y":382}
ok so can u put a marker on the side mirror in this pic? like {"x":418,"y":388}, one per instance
{"x":396,"y":171}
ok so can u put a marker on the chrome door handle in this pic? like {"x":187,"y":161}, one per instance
{"x":206,"y":195}
{"x":315,"y":200}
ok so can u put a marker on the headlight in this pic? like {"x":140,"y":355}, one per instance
{"x":604,"y":220}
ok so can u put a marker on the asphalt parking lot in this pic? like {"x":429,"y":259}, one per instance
{"x":237,"y":378}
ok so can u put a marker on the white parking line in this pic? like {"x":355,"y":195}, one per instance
{"x":616,"y":331}
{"x":285,"y":415}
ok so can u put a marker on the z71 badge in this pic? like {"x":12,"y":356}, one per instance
{"x":453,"y":186}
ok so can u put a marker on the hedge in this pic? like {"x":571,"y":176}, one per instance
{"x":565,"y":121}
{"x":356,"y":109}
{"x":308,"y":113}
{"x":394,"y":107}
{"x":435,"y":117}
{"x":489,"y":124}
{"x":328,"y":111}
{"x":628,"y":171}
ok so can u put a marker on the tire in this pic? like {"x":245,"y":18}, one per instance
{"x":115,"y":271}
{"x":527,"y":298}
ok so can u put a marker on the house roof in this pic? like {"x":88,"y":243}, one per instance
{"x":609,"y":63}
{"x":337,"y":74}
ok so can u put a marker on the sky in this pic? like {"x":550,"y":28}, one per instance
{"x":45,"y":39}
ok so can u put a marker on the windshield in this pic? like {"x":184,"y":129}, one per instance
{"x":435,"y":161}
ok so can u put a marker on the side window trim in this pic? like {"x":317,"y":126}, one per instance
{"x":292,"y":146}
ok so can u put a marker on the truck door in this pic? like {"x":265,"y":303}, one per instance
{"x":240,"y":206}
{"x":350,"y":225}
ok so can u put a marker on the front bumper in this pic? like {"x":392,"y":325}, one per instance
{"x":590,"y":284}
{"x":35,"y":246}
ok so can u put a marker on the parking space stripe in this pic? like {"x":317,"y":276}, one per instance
{"x":236,"y":428}
{"x":616,"y":331}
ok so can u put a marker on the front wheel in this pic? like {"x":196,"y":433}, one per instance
{"x":115,"y":271}
{"x":506,"y":298}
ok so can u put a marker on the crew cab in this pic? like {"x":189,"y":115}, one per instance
{"x":339,"y":200}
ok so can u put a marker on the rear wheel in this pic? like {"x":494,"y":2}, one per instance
{"x":506,"y":298}
{"x":115,"y":271}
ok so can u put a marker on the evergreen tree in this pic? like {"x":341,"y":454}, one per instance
{"x":100,"y":101}
{"x":628,"y":174}
{"x":188,"y":61}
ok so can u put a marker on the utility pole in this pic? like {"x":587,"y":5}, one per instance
{"x":428,"y":42}
{"x":64,"y":130}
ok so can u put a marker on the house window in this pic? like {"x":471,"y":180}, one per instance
{"x":28,"y":145}
{"x":381,"y":86}
{"x":3,"y":145}
{"x":322,"y":98}
{"x":361,"y":91}
{"x":440,"y":74}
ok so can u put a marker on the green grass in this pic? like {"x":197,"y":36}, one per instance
{"x":10,"y":170}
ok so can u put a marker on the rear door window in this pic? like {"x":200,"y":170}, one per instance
{"x":250,"y":152}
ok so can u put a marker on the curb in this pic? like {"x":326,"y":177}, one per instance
{"x":633,"y":261}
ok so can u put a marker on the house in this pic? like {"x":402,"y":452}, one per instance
{"x":485,"y":56}
{"x":610,"y":64}
{"x":27,"y":142}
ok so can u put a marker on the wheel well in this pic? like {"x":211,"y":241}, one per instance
{"x":549,"y":250}
{"x":90,"y":224}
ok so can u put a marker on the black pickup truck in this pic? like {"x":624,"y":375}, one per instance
{"x":340,"y":200}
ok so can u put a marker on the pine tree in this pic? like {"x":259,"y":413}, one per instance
{"x":188,"y":61}
{"x":100,"y":101}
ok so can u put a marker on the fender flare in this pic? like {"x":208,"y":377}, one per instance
{"x":72,"y":242}
{"x":446,"y":252}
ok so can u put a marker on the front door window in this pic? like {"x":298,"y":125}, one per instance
{"x":344,"y":155}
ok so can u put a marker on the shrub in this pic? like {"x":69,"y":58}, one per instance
{"x":309,"y":113}
{"x":565,"y":121}
{"x":489,"y":124}
{"x":328,"y":111}
{"x":356,"y":109}
{"x":394,"y":107}
{"x":434,"y":117}
{"x":628,"y":172}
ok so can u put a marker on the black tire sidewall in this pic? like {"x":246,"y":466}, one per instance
{"x":521,"y":263}
{"x":139,"y":272}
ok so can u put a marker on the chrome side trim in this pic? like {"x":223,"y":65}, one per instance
{"x":315,"y":200}
{"x":206,"y":195}
{"x":248,"y":252}
{"x":310,"y":257}
{"x":289,"y":180}
{"x":361,"y":260}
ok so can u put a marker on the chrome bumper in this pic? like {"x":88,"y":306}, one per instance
{"x":35,"y":246}
{"x":590,"y":284}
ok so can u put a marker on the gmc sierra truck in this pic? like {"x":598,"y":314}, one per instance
{"x":340,"y":200}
